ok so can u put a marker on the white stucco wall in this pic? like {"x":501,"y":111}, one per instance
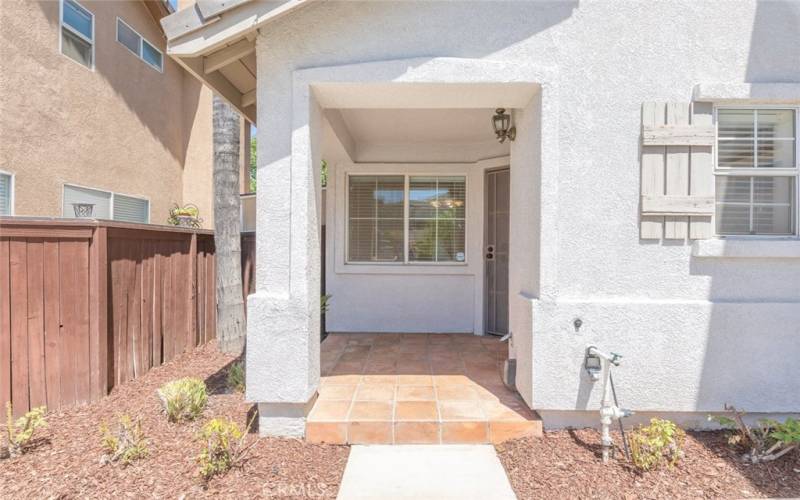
{"x":695,"y":331}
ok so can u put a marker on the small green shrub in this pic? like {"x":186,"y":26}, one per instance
{"x":768,"y":440}
{"x":657,"y":443}
{"x":325,"y":303}
{"x":20,"y":433}
{"x":127,"y":444}
{"x":183,"y":399}
{"x":236,"y":376}
{"x":223,"y":447}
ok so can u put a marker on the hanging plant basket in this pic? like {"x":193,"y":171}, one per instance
{"x":83,"y":210}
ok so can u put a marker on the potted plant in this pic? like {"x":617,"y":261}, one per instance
{"x":185,"y":216}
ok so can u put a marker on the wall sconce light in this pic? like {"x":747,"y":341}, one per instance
{"x":502,"y":126}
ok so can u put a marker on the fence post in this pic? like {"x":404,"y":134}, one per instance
{"x":193,"y":340}
{"x":98,"y":312}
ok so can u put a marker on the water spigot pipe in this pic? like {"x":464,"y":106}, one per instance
{"x":609,"y":410}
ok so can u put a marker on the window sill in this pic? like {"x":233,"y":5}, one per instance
{"x":747,"y":248}
{"x":407,"y":269}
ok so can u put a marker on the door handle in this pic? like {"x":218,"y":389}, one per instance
{"x":490,"y":252}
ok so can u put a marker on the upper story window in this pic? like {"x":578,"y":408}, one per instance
{"x":107,"y":205}
{"x":6,"y":194}
{"x":77,"y":33}
{"x":756,"y":171}
{"x":143,"y":49}
{"x":406,"y":219}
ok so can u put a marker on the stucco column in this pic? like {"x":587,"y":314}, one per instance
{"x":283,"y":321}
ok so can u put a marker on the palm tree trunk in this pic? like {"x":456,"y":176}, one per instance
{"x":231,"y":328}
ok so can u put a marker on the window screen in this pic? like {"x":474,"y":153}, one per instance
{"x":77,"y":33}
{"x":127,"y":37}
{"x":100,"y":199}
{"x":143,"y":49}
{"x":375,"y":218}
{"x":151,"y":55}
{"x":5,"y":194}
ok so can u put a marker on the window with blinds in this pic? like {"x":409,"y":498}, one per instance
{"x":375,"y":218}
{"x":130,"y":209}
{"x":106,"y":205}
{"x":436,"y":219}
{"x":6,"y":194}
{"x":756,"y":184}
{"x":397,"y":218}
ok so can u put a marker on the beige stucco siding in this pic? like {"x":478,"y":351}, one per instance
{"x":123,"y":127}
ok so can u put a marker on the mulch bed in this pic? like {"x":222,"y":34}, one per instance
{"x":568,"y":464}
{"x":66,"y":462}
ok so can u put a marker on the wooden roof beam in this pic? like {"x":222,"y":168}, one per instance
{"x":226,"y":56}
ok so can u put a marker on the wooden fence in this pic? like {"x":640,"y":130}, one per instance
{"x":86,"y":305}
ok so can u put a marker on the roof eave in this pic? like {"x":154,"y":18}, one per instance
{"x":198,"y":35}
{"x":198,"y":30}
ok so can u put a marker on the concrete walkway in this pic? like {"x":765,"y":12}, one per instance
{"x":425,"y":472}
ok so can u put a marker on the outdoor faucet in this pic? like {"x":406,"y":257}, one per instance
{"x":597,"y":363}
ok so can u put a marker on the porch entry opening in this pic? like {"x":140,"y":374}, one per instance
{"x":496,"y":251}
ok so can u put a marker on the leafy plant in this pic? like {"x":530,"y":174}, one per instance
{"x":325,"y":303}
{"x":184,"y":211}
{"x":236,"y":376}
{"x":183,"y":399}
{"x":766,"y":441}
{"x":127,"y":444}
{"x":657,"y":443}
{"x":20,"y":433}
{"x":223,"y":447}
{"x":253,"y":164}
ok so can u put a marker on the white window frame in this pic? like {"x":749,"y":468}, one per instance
{"x":110,"y":201}
{"x":142,"y":40}
{"x":406,"y":219}
{"x":12,"y":188}
{"x":794,"y":173}
{"x":72,"y":30}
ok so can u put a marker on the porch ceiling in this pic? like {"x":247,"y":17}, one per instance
{"x":419,"y":125}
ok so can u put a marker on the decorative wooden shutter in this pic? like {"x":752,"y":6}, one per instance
{"x":677,"y":172}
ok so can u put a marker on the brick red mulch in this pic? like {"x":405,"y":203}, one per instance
{"x":66,"y":463}
{"x":567,"y":464}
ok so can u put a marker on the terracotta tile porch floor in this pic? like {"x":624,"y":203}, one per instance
{"x":416,"y":389}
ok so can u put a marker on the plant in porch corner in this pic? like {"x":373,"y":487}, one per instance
{"x":325,"y":303}
{"x":235,"y":377}
{"x":768,"y":440}
{"x":19,"y":434}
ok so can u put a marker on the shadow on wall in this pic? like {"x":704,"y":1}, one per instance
{"x":774,"y":42}
{"x":753,"y":336}
{"x":165,"y":108}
